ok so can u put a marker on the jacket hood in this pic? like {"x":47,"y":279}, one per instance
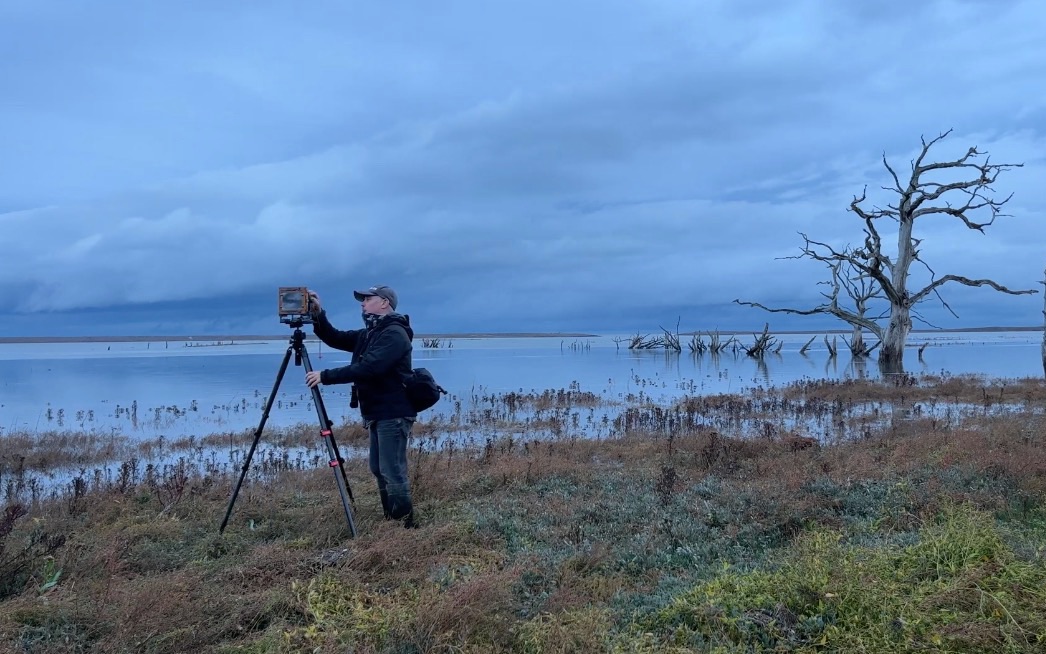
{"x":397,"y":319}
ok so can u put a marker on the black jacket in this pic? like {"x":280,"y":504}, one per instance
{"x":380,"y":362}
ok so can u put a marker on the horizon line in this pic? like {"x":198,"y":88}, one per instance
{"x":461,"y":335}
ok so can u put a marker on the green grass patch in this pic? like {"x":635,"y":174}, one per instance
{"x":959,"y":588}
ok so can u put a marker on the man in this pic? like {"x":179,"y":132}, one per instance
{"x":381,"y":359}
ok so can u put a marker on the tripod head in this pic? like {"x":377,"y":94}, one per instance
{"x":297,"y":341}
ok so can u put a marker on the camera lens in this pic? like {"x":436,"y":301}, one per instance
{"x":293,"y":301}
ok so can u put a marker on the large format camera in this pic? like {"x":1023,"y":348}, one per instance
{"x":295,"y":305}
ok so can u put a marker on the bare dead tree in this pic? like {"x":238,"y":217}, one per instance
{"x":858,"y":347}
{"x":832,"y":348}
{"x":717,"y":345}
{"x":862,"y":290}
{"x":970,"y":179}
{"x":803,"y":349}
{"x":670,"y":340}
{"x":763,"y":343}
{"x":844,"y":277}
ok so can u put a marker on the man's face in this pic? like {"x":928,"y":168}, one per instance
{"x":375,"y":304}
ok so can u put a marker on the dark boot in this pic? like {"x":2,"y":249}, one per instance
{"x":401,"y":505}
{"x":385,"y":504}
{"x":401,"y":508}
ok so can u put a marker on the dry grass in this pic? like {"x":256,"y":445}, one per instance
{"x":551,"y":544}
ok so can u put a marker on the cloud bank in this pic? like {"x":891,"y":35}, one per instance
{"x":542,"y":167}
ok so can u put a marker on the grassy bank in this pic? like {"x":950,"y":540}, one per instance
{"x":821,"y":517}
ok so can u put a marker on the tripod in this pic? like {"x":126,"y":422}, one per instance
{"x":297,"y":346}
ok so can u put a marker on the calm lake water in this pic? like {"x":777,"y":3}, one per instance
{"x":180,"y":388}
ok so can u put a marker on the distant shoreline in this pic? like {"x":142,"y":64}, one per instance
{"x":257,"y":337}
{"x":207,"y":338}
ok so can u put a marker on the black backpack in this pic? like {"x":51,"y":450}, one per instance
{"x":422,"y":390}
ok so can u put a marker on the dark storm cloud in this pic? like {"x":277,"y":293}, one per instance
{"x":542,"y":164}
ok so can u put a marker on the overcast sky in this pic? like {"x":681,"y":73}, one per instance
{"x":610,"y":166}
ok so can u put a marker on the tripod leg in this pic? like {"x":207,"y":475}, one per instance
{"x":257,"y":436}
{"x":340,"y":460}
{"x":326,"y":422}
{"x":344,"y":489}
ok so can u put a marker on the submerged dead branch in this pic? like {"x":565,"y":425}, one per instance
{"x":670,"y":341}
{"x":715,"y":345}
{"x":921,"y":348}
{"x":645,"y":342}
{"x":858,"y":347}
{"x":763,"y":343}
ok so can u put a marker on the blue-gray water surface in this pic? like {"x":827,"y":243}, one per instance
{"x":195,"y":388}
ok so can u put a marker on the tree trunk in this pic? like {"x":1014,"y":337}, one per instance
{"x":891,"y":352}
{"x":857,"y":341}
{"x":891,"y":355}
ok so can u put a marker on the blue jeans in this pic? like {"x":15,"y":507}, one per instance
{"x":388,"y":464}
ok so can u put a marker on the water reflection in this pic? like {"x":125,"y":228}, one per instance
{"x":169,"y":389}
{"x":859,"y":367}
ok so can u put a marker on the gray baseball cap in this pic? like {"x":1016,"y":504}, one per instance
{"x":381,"y":291}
